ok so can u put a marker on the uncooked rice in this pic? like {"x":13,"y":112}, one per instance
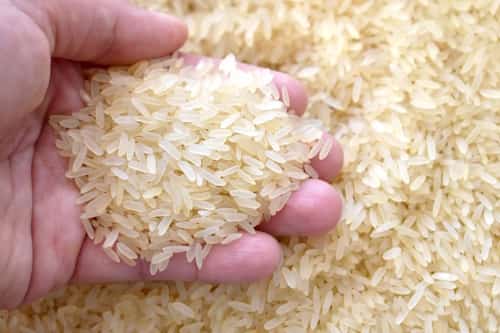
{"x":430,"y":78}
{"x":156,"y":136}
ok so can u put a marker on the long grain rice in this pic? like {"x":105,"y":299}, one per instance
{"x":143,"y":161}
{"x":439,"y":55}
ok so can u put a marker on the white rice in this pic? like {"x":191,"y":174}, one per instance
{"x":151,"y":161}
{"x":441,"y":54}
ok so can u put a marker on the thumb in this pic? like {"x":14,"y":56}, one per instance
{"x":105,"y":31}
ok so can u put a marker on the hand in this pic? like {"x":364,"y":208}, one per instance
{"x":42,"y":243}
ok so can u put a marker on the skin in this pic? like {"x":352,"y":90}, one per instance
{"x":42,"y":244}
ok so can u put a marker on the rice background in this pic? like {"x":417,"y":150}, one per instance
{"x":412,"y":90}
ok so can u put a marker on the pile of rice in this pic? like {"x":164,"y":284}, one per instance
{"x":174,"y":158}
{"x":412,"y":90}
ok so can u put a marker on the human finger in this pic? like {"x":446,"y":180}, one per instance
{"x":315,"y":208}
{"x":105,"y":31}
{"x":250,"y":258}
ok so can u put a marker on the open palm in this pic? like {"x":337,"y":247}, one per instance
{"x":42,"y":244}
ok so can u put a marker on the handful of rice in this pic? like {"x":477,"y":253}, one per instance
{"x":172,"y":159}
